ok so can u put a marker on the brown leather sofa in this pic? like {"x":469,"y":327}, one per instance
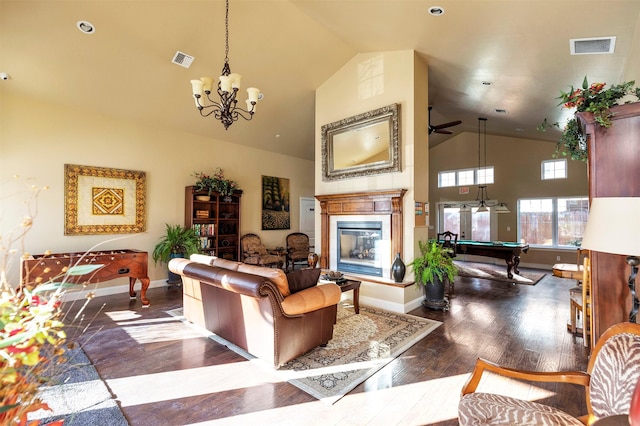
{"x":253,"y":307}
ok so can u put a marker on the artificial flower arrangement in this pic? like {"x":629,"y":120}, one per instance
{"x":32,"y":336}
{"x":217,"y":183}
{"x":589,"y":98}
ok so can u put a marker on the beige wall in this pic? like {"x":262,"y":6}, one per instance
{"x":404,"y":81}
{"x":517,"y":171}
{"x":37,"y":139}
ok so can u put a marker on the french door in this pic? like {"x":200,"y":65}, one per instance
{"x":469,"y":224}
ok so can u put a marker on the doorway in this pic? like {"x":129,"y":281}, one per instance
{"x":307,"y":218}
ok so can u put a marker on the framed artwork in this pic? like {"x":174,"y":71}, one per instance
{"x":275,"y":203}
{"x":100,"y":200}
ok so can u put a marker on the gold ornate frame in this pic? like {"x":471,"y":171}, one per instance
{"x":100,"y":200}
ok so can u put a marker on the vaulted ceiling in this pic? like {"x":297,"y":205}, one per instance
{"x":288,"y":48}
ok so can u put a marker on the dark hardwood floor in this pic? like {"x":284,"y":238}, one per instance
{"x":164,"y":373}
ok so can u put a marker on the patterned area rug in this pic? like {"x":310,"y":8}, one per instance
{"x":362,"y":344}
{"x":496,"y":273}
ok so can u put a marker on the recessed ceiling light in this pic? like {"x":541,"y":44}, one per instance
{"x":436,"y":11}
{"x":501,"y":111}
{"x":487,"y":83}
{"x":86,"y":27}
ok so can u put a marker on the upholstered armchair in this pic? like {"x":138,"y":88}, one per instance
{"x":610,"y":380}
{"x":254,"y":253}
{"x":298,"y":250}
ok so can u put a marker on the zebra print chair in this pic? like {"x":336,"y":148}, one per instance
{"x":610,"y":380}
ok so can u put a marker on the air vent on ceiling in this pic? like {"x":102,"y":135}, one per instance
{"x":182,"y":59}
{"x":592,"y":46}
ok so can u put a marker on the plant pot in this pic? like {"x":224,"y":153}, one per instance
{"x":434,"y":295}
{"x":173,"y":278}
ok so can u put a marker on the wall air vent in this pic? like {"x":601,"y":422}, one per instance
{"x":592,"y":46}
{"x":182,"y":59}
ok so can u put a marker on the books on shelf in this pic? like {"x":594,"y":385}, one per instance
{"x":204,"y":229}
{"x":206,"y":243}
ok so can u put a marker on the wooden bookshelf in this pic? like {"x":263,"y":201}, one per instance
{"x":216,"y":221}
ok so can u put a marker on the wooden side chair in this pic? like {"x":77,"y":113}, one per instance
{"x":254,"y":253}
{"x":610,"y":380}
{"x":449,"y":240}
{"x":580,"y":305}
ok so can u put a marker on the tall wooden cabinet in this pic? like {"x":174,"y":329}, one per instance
{"x":614,"y":171}
{"x":216,"y":220}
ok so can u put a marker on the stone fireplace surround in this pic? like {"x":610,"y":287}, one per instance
{"x":385,"y":205}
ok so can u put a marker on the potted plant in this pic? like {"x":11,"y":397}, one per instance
{"x":216,"y":183}
{"x":433,"y":269}
{"x":178,"y":241}
{"x":591,"y":98}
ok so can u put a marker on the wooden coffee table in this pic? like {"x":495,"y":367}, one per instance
{"x":355,"y":286}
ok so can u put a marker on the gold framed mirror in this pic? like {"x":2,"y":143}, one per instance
{"x":363,"y":145}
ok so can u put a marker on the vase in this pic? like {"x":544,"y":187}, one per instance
{"x":398,"y":269}
{"x":227,"y":199}
{"x":312,"y":259}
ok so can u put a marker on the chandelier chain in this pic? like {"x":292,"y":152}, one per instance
{"x":226,"y":33}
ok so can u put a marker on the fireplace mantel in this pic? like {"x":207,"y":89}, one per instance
{"x":386,"y":202}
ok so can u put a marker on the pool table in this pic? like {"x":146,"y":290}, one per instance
{"x":508,"y":251}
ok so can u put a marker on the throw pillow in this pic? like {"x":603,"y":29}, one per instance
{"x":303,"y":278}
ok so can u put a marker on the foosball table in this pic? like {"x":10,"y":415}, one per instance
{"x":115,"y":264}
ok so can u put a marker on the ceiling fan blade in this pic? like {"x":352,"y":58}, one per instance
{"x":449,"y":124}
{"x":443,"y":132}
{"x":439,"y":128}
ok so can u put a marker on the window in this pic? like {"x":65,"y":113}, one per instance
{"x":485,"y":175}
{"x":554,"y":169}
{"x":446,"y":179}
{"x":465,"y":177}
{"x":552,"y":222}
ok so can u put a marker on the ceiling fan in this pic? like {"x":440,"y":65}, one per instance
{"x":440,"y":128}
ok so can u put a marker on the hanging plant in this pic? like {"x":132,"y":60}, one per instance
{"x":589,"y":98}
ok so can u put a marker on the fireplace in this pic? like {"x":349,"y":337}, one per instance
{"x":359,"y":247}
{"x":355,"y":248}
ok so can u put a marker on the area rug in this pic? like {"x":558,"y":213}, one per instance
{"x":362,"y":344}
{"x":78,"y":395}
{"x":496,"y":273}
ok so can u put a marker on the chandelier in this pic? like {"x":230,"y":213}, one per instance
{"x":482,"y":196}
{"x":226,"y":109}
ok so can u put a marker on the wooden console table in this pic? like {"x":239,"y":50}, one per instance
{"x":117,"y":263}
